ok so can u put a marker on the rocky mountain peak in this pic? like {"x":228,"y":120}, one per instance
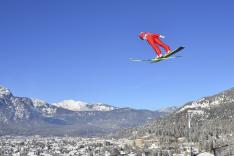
{"x":4,"y":91}
{"x":38,"y":102}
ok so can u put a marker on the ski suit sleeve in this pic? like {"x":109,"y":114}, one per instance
{"x":155,"y":36}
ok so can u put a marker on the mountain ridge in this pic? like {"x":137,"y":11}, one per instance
{"x":208,"y":121}
{"x":25,"y":116}
{"x":83,"y":106}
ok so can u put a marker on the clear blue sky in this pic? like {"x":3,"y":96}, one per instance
{"x":79,"y":49}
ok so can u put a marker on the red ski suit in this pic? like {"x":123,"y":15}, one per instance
{"x":155,"y":42}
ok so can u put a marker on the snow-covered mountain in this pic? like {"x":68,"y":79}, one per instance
{"x":83,"y":106}
{"x":14,"y":108}
{"x":26,"y":116}
{"x":45,"y":108}
{"x":208,"y":102}
{"x":208,"y":118}
{"x":4,"y":91}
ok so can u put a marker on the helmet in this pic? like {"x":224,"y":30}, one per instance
{"x":141,"y":35}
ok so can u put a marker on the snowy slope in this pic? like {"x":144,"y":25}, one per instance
{"x":208,"y":118}
{"x":4,"y":91}
{"x":210,"y":101}
{"x":83,"y":106}
{"x":45,"y":108}
{"x":72,"y":105}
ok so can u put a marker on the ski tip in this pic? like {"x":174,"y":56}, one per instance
{"x":135,"y":60}
{"x":182,"y":47}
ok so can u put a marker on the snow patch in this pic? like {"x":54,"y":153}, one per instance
{"x":38,"y":103}
{"x":208,"y":102}
{"x":20,"y":112}
{"x":102,"y":107}
{"x":4,"y":91}
{"x":83,"y":106}
{"x":73,"y":105}
{"x":47,"y":109}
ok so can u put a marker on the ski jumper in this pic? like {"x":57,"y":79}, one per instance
{"x":155,"y":42}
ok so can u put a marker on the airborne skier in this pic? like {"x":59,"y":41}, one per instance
{"x":155,"y":42}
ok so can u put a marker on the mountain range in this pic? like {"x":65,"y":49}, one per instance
{"x":26,"y":116}
{"x":208,"y":121}
{"x":209,"y":117}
